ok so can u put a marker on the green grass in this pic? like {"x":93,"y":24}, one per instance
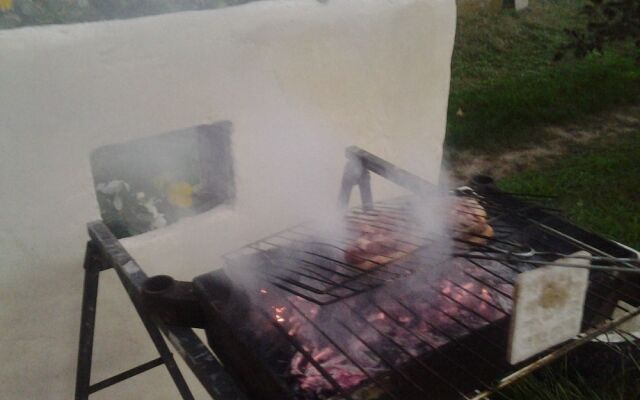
{"x":506,"y":84}
{"x":556,"y":383}
{"x":489,"y":47}
{"x":597,"y":185}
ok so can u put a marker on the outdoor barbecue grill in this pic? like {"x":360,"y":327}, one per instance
{"x":290,"y":318}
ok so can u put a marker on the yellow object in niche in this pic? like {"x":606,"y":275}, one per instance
{"x":6,"y":5}
{"x":179,"y":194}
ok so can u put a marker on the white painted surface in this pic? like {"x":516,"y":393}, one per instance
{"x":298,"y":79}
{"x":548,"y":307}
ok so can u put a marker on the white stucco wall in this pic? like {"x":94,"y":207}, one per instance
{"x":298,"y":79}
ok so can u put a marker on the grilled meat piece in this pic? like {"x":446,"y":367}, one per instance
{"x":382,"y":237}
{"x":469,"y":222}
{"x":379,"y":241}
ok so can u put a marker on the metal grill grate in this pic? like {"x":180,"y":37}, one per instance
{"x":313,"y":264}
{"x":422,"y":340}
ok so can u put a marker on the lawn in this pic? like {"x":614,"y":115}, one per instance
{"x":598,"y":186}
{"x":505,"y":84}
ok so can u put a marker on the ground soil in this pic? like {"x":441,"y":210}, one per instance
{"x":561,"y":139}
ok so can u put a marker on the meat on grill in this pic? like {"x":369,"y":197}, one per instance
{"x":378,"y":242}
{"x":386,"y":237}
{"x":469,"y":221}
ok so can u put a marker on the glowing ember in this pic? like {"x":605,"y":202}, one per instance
{"x":359,"y":338}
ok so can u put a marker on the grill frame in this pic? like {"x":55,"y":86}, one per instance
{"x":241,"y":359}
{"x":226,"y":337}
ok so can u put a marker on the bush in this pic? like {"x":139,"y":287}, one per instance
{"x":608,"y":21}
{"x":18,"y":13}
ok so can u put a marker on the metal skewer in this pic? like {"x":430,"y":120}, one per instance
{"x":549,"y":263}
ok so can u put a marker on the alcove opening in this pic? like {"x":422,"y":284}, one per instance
{"x":149,"y":183}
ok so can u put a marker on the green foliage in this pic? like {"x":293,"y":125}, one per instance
{"x":558,"y":383}
{"x":608,"y":21}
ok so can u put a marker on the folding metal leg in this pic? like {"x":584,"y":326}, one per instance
{"x":87,"y":322}
{"x":165,"y":354}
{"x":93,"y":265}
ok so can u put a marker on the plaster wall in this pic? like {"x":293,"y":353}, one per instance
{"x":299,"y":81}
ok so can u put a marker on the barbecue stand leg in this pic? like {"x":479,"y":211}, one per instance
{"x":93,"y":265}
{"x":165,"y":353}
{"x":87,"y":322}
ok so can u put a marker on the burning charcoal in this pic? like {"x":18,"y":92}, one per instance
{"x":336,"y":365}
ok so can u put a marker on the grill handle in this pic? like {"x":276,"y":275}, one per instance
{"x":384,"y":168}
{"x":357,"y":170}
{"x":174,"y":302}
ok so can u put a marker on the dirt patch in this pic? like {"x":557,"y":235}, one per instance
{"x":463,"y":164}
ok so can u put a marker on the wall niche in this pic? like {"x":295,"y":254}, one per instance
{"x":149,"y":183}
